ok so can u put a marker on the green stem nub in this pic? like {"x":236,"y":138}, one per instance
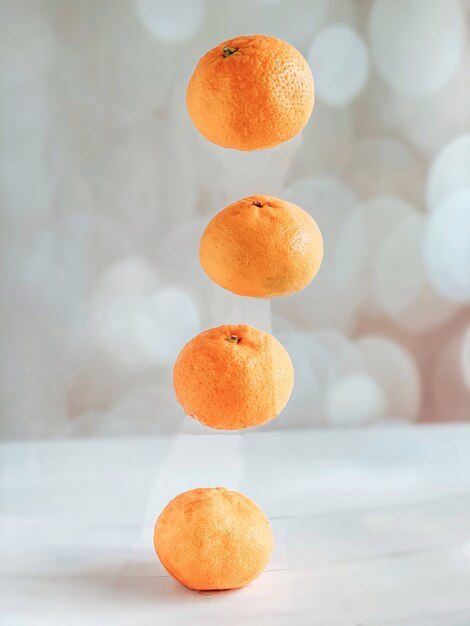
{"x":228,"y":51}
{"x":233,"y":339}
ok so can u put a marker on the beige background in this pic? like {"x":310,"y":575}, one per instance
{"x":106,"y":187}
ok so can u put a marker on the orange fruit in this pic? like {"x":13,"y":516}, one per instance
{"x":250,"y":93}
{"x":233,"y":377}
{"x":262,"y":246}
{"x":213,"y":539}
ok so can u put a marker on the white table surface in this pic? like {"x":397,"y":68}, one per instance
{"x":372,"y":528}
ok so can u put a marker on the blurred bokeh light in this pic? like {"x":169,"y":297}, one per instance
{"x":447,"y":247}
{"x":417,"y":46}
{"x":172,"y":21}
{"x":340,"y":64}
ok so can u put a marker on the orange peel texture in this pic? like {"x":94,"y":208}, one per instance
{"x":233,"y":377}
{"x":212,"y":538}
{"x":250,"y":93}
{"x":261,"y":247}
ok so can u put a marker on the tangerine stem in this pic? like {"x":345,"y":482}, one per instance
{"x":228,"y":51}
{"x":233,"y":339}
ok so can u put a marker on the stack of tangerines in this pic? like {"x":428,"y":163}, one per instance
{"x":249,"y":93}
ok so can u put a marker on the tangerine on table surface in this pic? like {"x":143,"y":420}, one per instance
{"x":212,"y":538}
{"x":233,"y":377}
{"x":261,"y":247}
{"x":250,"y":93}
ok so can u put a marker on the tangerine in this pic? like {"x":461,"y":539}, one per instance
{"x":250,"y":93}
{"x":213,"y":538}
{"x":233,"y":377}
{"x":261,"y":246}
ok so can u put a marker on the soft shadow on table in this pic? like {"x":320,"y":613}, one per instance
{"x":133,"y":581}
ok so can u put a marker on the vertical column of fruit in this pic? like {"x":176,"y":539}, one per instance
{"x":248,"y":93}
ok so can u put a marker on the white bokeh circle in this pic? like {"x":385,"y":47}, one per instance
{"x":417,"y":46}
{"x":401,"y":285}
{"x":169,"y":320}
{"x":446,"y":247}
{"x":449,"y":172}
{"x":340,"y":65}
{"x":346,"y":359}
{"x":296,"y":22}
{"x":135,"y":322}
{"x":355,"y":400}
{"x":430,"y":122}
{"x":130,"y":275}
{"x":173,"y":21}
{"x":396,"y":371}
{"x":367,"y":229}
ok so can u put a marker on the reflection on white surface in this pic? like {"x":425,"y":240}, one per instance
{"x":205,"y":461}
{"x":340,"y":65}
{"x":449,"y":171}
{"x":446,"y":247}
{"x":171,"y":21}
{"x":369,"y":527}
{"x":417,"y":48}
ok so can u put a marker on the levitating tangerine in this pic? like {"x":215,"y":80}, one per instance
{"x":250,"y":93}
{"x":262,"y":246}
{"x":233,"y":377}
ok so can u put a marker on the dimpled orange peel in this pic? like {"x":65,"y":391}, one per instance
{"x":261,"y":247}
{"x":250,"y":93}
{"x":213,"y":538}
{"x":233,"y":377}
